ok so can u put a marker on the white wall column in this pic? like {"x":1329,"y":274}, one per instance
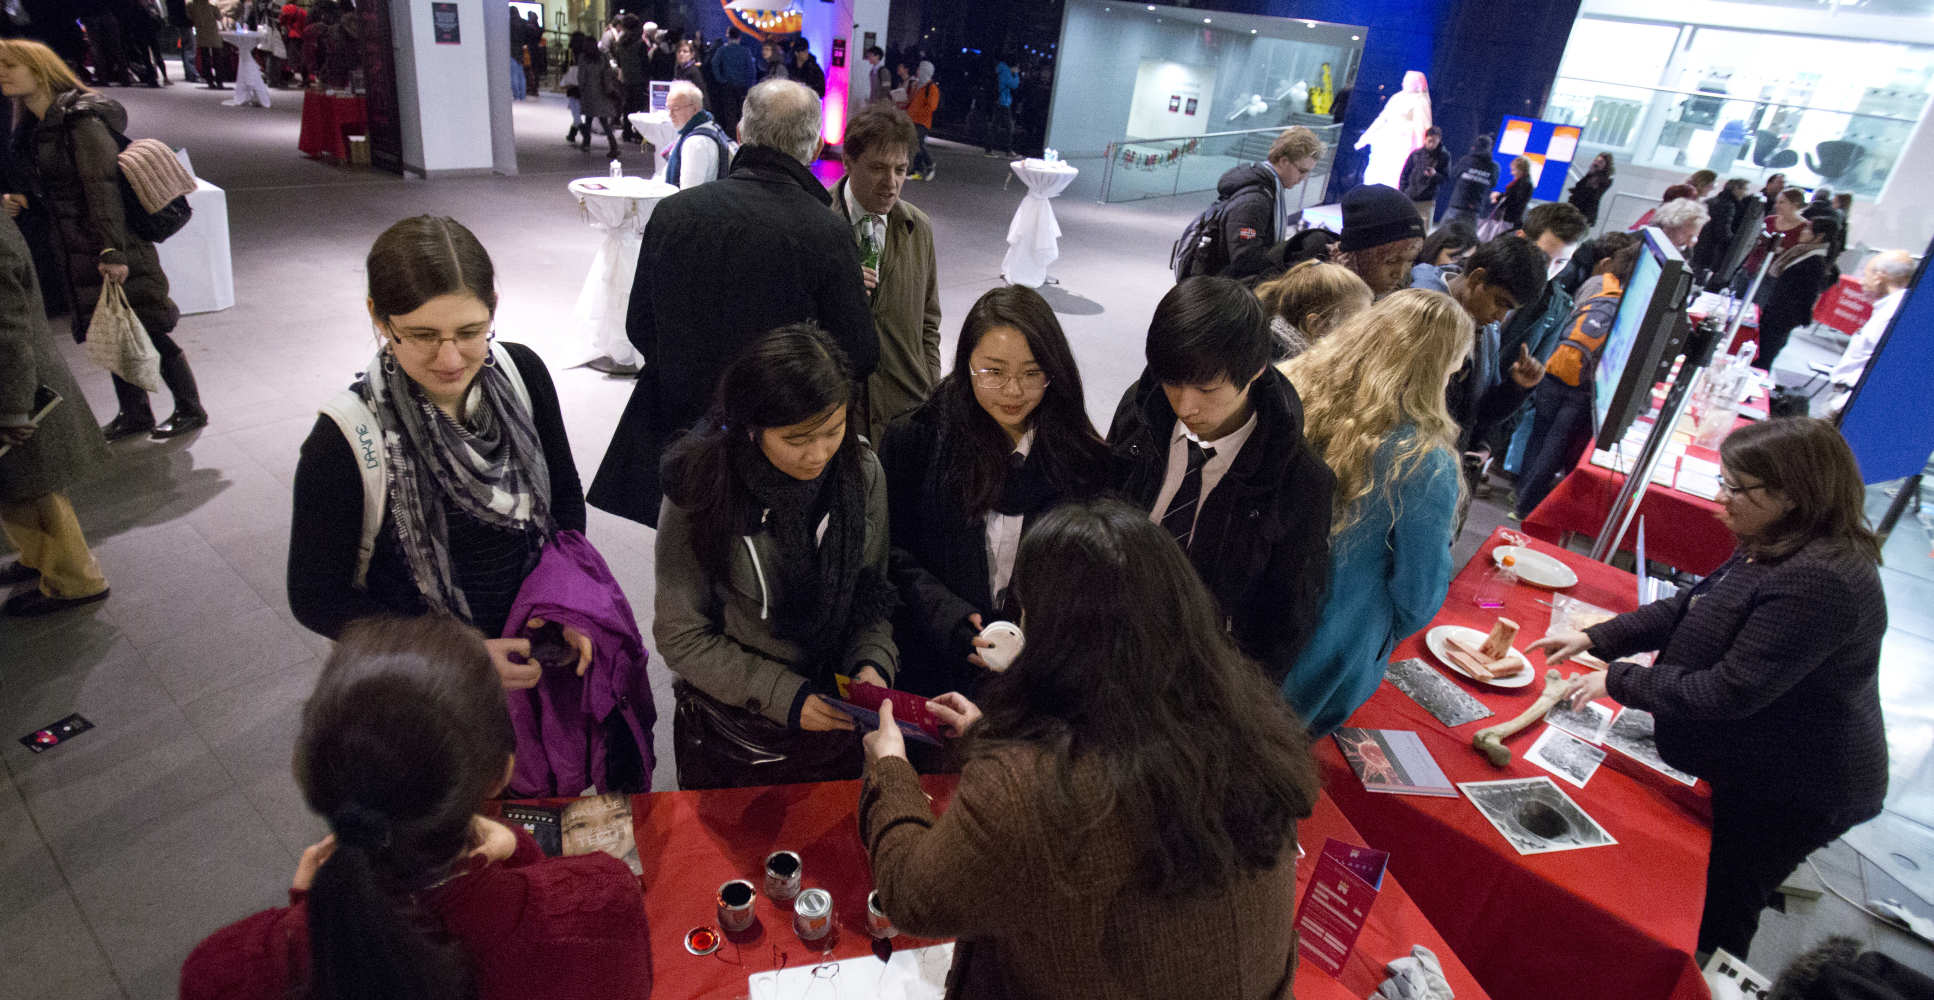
{"x":454,"y":99}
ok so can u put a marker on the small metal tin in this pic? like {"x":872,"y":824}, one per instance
{"x":812,"y":914}
{"x":735,"y":905}
{"x":783,"y":871}
{"x":878,"y":923}
{"x":701,"y":940}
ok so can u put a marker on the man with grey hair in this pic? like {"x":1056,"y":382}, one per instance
{"x":691,"y":163}
{"x":1681,"y":218}
{"x":1886,"y":277}
{"x":722,"y":264}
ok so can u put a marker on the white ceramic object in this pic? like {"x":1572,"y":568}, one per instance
{"x":1536,"y":568}
{"x":1435,"y":640}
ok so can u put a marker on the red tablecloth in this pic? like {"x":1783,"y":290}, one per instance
{"x":691,"y":842}
{"x":1681,"y":530}
{"x":323,"y":120}
{"x":1618,"y":922}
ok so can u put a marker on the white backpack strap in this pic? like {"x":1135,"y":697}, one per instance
{"x":508,"y":365}
{"x":358,"y":424}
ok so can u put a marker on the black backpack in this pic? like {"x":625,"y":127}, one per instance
{"x":1201,"y":249}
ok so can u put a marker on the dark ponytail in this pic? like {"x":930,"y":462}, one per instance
{"x":405,"y":736}
{"x":786,"y":377}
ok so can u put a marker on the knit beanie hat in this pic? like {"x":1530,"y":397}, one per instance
{"x":1375,"y":214}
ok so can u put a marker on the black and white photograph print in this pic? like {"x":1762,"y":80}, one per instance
{"x":1439,"y":695}
{"x":1632,"y":735}
{"x":1566,"y":756}
{"x":1535,"y":815}
{"x":1589,"y":723}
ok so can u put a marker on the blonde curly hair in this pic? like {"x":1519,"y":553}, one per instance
{"x":1380,"y":374}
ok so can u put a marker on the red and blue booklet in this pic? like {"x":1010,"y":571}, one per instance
{"x":862,"y":701}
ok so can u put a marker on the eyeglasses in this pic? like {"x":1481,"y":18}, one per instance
{"x":1731,"y":488}
{"x":427,"y":343}
{"x":994,"y":378}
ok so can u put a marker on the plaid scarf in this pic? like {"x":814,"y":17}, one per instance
{"x":490,"y":466}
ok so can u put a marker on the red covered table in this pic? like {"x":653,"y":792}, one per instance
{"x":1681,"y":530}
{"x":691,"y":842}
{"x":326,"y":120}
{"x":1618,"y":922}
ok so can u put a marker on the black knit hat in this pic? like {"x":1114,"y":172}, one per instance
{"x":1375,"y":214}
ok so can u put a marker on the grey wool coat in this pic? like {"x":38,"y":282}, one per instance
{"x":68,"y":446}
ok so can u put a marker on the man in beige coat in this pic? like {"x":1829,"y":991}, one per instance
{"x":897,"y":260}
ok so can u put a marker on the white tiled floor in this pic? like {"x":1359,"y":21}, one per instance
{"x":118,"y":852}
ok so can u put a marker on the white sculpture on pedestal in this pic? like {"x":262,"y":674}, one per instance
{"x":1398,"y":130}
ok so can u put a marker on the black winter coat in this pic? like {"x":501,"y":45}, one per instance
{"x":1794,"y":293}
{"x":1588,"y":192}
{"x":1262,"y":539}
{"x":1249,"y":219}
{"x":939,"y":559}
{"x":1416,"y":184}
{"x":1722,"y":214}
{"x":1475,"y":176}
{"x":68,"y":160}
{"x":721,"y":265}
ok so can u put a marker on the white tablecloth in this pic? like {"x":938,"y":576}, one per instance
{"x":657,"y":128}
{"x":619,"y":206}
{"x":201,"y":273}
{"x":250,"y":87}
{"x":1034,"y":238}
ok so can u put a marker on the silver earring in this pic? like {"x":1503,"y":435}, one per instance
{"x":490,"y":360}
{"x":389,"y":362}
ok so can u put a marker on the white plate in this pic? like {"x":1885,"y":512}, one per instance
{"x":1536,"y":568}
{"x":1473,"y":638}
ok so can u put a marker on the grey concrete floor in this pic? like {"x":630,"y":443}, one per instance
{"x":121,"y":850}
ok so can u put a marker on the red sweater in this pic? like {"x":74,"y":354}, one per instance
{"x":560,"y":928}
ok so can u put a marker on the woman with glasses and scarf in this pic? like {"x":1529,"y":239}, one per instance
{"x":434,"y":482}
{"x":772,"y":570}
{"x":1767,"y":678}
{"x":1003,"y":439}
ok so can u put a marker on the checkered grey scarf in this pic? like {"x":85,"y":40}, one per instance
{"x":490,"y":466}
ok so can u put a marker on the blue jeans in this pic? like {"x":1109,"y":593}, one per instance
{"x":516,"y":80}
{"x":1561,"y":428}
{"x":922,"y":160}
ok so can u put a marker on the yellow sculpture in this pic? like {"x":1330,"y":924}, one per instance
{"x":1322,"y":95}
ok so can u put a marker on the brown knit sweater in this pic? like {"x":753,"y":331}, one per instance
{"x":990,"y":873}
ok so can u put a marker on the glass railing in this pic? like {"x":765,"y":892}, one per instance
{"x":1845,"y":149}
{"x":1159,"y":168}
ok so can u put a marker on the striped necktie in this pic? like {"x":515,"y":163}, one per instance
{"x":1179,"y":519}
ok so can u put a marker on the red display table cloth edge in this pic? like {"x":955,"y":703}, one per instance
{"x":1617,"y":922}
{"x":692,"y":842}
{"x":324,"y":119}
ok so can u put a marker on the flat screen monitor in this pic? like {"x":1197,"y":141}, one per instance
{"x":1650,"y":314}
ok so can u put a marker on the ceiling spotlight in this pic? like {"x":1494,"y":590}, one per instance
{"x":1356,"y":38}
{"x":1309,"y":24}
{"x":1252,"y":31}
{"x":1151,"y":6}
{"x":1205,"y":20}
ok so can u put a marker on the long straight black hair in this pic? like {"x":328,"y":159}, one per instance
{"x":1068,"y":450}
{"x":1128,"y":669}
{"x":404,"y":737}
{"x":788,"y":376}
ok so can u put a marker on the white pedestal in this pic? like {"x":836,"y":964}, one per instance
{"x":201,"y":274}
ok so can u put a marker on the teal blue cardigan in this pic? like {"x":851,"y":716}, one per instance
{"x":1388,"y":576}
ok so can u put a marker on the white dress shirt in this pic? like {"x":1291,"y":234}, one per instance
{"x":1860,"y":350}
{"x":1004,"y":537}
{"x":1225,"y":447}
